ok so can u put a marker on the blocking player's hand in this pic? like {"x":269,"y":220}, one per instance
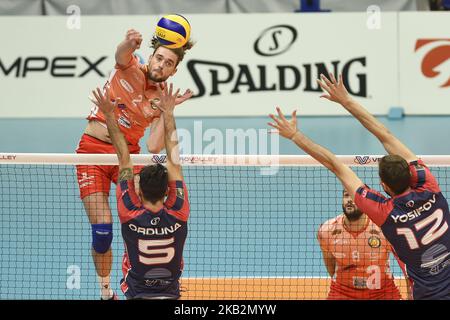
{"x":103,"y":101}
{"x":167,"y":98}
{"x":134,"y":37}
{"x":335,"y":90}
{"x":284,"y":127}
{"x":185,"y":96}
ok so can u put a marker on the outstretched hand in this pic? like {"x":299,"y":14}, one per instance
{"x":284,"y":127}
{"x":167,"y":99}
{"x":103,"y":101}
{"x":185,"y":96}
{"x":335,"y":89}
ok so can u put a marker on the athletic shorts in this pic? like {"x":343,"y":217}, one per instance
{"x":388,"y":292}
{"x":93,"y":178}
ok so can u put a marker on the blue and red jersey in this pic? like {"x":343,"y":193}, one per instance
{"x":416,"y":223}
{"x":154,"y":241}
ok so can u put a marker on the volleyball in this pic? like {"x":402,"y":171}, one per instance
{"x":173,"y":31}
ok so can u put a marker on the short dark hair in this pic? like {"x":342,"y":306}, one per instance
{"x":394,"y":172}
{"x":155,"y":44}
{"x":153,"y":181}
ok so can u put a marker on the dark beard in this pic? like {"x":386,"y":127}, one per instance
{"x":157,"y":80}
{"x":352,"y":216}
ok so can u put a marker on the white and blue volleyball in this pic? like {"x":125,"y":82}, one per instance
{"x":173,"y":31}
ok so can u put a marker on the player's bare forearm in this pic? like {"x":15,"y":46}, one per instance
{"x":336,"y":92}
{"x":371,"y":123}
{"x":155,"y":142}
{"x":119,"y":142}
{"x":391,"y":144}
{"x":348,"y":178}
{"x":172,"y":149}
{"x":126,"y":48}
{"x":124,"y":52}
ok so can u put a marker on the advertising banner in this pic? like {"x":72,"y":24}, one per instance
{"x":241,"y":65}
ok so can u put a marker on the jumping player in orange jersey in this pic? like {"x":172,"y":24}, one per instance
{"x":133,"y":87}
{"x":356,"y":256}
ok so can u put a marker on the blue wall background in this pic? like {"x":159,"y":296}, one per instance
{"x":343,"y":135}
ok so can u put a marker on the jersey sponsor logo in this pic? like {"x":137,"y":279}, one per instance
{"x":436,"y":258}
{"x":155,"y":231}
{"x":180,"y":193}
{"x":156,"y":282}
{"x":415,"y":213}
{"x":336,"y":232}
{"x":128,"y":87}
{"x":155,"y":221}
{"x":125,"y":114}
{"x":374,"y":242}
{"x":341,"y":241}
{"x":124,"y":122}
{"x":410,"y":204}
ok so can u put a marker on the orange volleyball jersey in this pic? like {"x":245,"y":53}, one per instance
{"x":135,"y":111}
{"x":362,"y":259}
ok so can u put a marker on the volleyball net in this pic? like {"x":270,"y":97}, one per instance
{"x":252,"y":229}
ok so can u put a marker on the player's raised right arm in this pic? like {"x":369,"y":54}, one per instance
{"x":125,"y":49}
{"x":337,"y":92}
{"x":166,"y":105}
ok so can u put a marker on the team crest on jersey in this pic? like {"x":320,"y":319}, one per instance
{"x":153,"y":103}
{"x":374,"y":242}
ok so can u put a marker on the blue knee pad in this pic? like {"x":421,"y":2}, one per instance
{"x":102,"y":236}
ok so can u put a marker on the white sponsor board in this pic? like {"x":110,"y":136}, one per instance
{"x":241,"y":65}
{"x":424,"y":62}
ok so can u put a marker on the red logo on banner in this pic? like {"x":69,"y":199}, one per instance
{"x":435,"y":58}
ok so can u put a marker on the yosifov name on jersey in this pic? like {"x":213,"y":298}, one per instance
{"x":155,"y":231}
{"x":416,"y":212}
